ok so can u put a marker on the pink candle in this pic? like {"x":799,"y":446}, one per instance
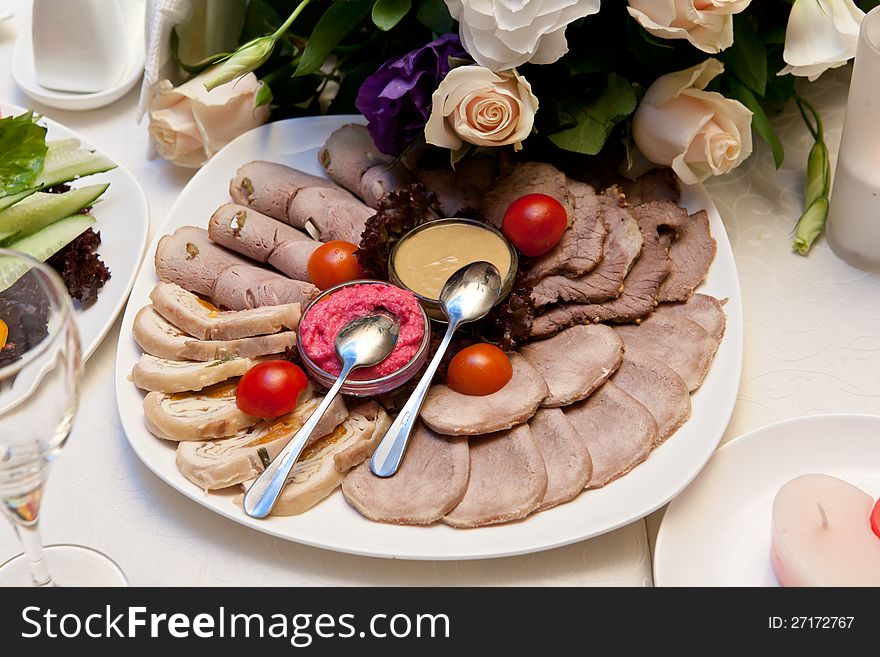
{"x":822,"y":534}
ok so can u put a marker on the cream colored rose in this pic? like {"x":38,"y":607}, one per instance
{"x":475,"y":105}
{"x":707,"y":24}
{"x":821,"y":34}
{"x":503,"y":34}
{"x":698,"y":133}
{"x":188,"y":124}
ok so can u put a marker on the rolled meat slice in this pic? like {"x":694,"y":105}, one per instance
{"x":159,"y":337}
{"x":210,"y":413}
{"x":168,"y":376}
{"x":507,"y":480}
{"x":191,"y":260}
{"x":216,"y":464}
{"x":322,"y":466}
{"x":263,"y":239}
{"x":454,"y":414}
{"x":316,"y":205}
{"x":658,"y":388}
{"x":618,"y":431}
{"x":575,"y":362}
{"x":565,"y":454}
{"x":431,"y":481}
{"x":205,"y":321}
{"x":352,"y":160}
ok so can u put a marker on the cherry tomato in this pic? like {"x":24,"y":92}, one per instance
{"x":334,"y":263}
{"x":480,"y":369}
{"x":535,"y":223}
{"x":270,"y":389}
{"x":875,"y":519}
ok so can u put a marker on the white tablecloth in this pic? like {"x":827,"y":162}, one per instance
{"x":811,"y":333}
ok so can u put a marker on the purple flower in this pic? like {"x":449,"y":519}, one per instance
{"x":396,"y":99}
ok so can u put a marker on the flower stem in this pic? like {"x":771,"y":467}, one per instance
{"x":286,"y":24}
{"x":811,"y":223}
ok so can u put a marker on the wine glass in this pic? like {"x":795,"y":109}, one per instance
{"x":40,"y":370}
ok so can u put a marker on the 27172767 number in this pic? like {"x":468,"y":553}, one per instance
{"x":811,"y":622}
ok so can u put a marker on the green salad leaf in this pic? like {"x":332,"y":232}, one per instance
{"x":23,"y":145}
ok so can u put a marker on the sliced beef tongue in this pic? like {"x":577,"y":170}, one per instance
{"x":431,"y":481}
{"x":565,"y":454}
{"x":575,"y":362}
{"x":657,"y":221}
{"x":678,"y":342}
{"x":526,"y":178}
{"x":317,"y":205}
{"x":352,"y":160}
{"x":706,"y":311}
{"x":454,"y":414}
{"x":263,"y":239}
{"x":623,"y":244}
{"x":691,"y":255}
{"x":582,"y":245}
{"x":658,"y":388}
{"x":507,"y":480}
{"x":460,"y":191}
{"x":618,"y":431}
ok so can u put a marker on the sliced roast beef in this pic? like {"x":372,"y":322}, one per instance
{"x":316,"y":205}
{"x":454,"y":414}
{"x":623,"y":244}
{"x":658,"y":388}
{"x":706,"y":311}
{"x":353,"y":161}
{"x":263,"y":239}
{"x":431,"y":481}
{"x":618,"y":431}
{"x":191,"y":260}
{"x":575,"y":362}
{"x":461,"y":190}
{"x":690,"y":256}
{"x":640,"y":287}
{"x":507,"y":480}
{"x":526,"y":178}
{"x":657,"y":185}
{"x":678,"y":342}
{"x":565,"y":455}
{"x":159,"y":337}
{"x":581,"y":246}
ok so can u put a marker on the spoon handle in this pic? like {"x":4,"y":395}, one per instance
{"x":264,"y":492}
{"x":388,"y":455}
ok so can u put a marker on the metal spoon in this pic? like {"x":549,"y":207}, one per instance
{"x":467,"y":296}
{"x":361,"y":343}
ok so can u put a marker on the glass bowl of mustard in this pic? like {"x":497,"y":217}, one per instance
{"x":424,"y":259}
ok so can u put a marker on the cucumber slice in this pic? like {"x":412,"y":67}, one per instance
{"x":42,"y":245}
{"x":69,"y":164}
{"x":12,"y":199}
{"x":59,"y":146}
{"x":40,"y":210}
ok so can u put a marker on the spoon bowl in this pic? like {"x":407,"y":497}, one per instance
{"x":368,"y":340}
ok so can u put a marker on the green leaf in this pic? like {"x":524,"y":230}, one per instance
{"x":23,"y":148}
{"x":760,"y":122}
{"x":434,"y":14}
{"x":747,"y":57}
{"x":596,"y":117}
{"x":335,"y":24}
{"x":388,"y":13}
{"x":263,"y":95}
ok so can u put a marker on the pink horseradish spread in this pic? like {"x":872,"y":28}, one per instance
{"x":325,"y":320}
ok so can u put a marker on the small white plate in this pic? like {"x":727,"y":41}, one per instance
{"x":333,"y":524}
{"x":717,"y":532}
{"x":25,"y":75}
{"x":123,"y":219}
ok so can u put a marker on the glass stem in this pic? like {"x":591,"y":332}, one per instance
{"x":29,"y":535}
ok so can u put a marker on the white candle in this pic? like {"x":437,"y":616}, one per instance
{"x":854,"y":216}
{"x":822,"y":535}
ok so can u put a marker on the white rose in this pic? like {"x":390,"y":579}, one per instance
{"x":698,"y":133}
{"x":503,"y":34}
{"x":475,"y":105}
{"x":707,"y":24}
{"x":188,"y":124}
{"x":821,"y":34}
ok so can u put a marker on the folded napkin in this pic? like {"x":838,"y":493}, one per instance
{"x":162,"y":16}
